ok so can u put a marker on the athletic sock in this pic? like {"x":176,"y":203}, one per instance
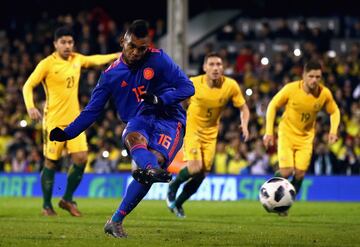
{"x":190,"y":188}
{"x":74,"y":178}
{"x":143,"y":157}
{"x":47,"y":183}
{"x":278,"y":174}
{"x":183,"y":176}
{"x":297,"y":183}
{"x":134,"y":194}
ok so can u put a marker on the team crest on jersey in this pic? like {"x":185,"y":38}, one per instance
{"x":76,"y":65}
{"x":148,"y":73}
{"x":317,"y":106}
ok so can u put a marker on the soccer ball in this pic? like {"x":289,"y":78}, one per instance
{"x":277,"y":195}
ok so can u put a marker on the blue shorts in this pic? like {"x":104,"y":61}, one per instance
{"x":163,"y":135}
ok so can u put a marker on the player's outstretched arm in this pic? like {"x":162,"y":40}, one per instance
{"x":92,"y":111}
{"x":97,"y":60}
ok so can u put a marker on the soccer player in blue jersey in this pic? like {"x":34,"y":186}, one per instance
{"x":147,"y":88}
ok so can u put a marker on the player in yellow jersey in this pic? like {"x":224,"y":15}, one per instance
{"x":302,"y":100}
{"x":213,"y":90}
{"x":59,"y":74}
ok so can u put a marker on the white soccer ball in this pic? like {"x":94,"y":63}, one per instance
{"x":277,"y":195}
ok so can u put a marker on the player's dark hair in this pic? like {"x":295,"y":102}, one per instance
{"x":63,"y":31}
{"x":211,"y":54}
{"x":312,"y":65}
{"x":139,"y":28}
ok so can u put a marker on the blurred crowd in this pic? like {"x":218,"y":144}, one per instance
{"x":23,"y":45}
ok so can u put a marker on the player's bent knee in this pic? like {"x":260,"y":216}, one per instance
{"x":286,"y":172}
{"x":79,"y":158}
{"x":299,"y":174}
{"x":195,"y":167}
{"x":134,"y":138}
{"x":50,"y":164}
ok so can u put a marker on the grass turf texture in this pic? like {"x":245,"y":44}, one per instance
{"x":242,"y":223}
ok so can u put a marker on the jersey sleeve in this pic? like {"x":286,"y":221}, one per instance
{"x":96,"y":60}
{"x":332,"y":108}
{"x":279,"y":100}
{"x":36,"y":77}
{"x":92,"y":111}
{"x":237,"y":97}
{"x":172,"y":73}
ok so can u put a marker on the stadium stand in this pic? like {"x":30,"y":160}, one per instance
{"x":243,"y":43}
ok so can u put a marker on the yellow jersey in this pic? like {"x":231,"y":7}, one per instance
{"x":301,"y":108}
{"x":60,"y":79}
{"x":207,"y":103}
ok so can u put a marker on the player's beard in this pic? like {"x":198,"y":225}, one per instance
{"x":137,"y":63}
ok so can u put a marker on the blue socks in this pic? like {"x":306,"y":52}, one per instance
{"x":134,"y":194}
{"x":143,"y":157}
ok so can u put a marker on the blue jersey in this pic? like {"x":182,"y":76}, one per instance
{"x":157,"y":75}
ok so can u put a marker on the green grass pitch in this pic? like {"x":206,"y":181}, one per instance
{"x":241,"y":223}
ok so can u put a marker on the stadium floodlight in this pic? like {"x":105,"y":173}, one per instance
{"x":264,"y":61}
{"x":331,"y":54}
{"x":248,"y":92}
{"x":105,"y":154}
{"x":124,"y":153}
{"x":297,"y":52}
{"x":23,"y":123}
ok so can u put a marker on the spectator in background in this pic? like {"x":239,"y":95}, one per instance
{"x":220,"y":159}
{"x":348,"y":158}
{"x":258,"y":160}
{"x":323,"y":163}
{"x":283,"y":30}
{"x":19,"y":162}
{"x":245,"y":57}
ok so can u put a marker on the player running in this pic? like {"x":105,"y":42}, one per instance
{"x":302,"y":101}
{"x":213,"y":90}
